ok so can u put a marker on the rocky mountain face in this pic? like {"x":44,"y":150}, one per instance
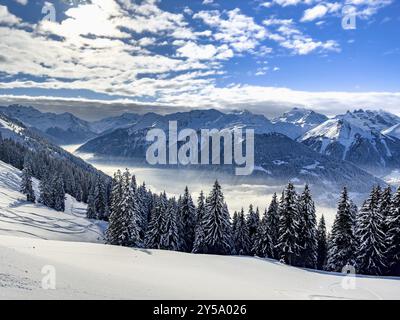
{"x":365,"y":138}
{"x":302,"y":120}
{"x":62,"y":128}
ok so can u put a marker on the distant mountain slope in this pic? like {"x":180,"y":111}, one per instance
{"x":25,"y":219}
{"x":63,"y":128}
{"x":393,"y":131}
{"x":358,"y":137}
{"x":112,"y":123}
{"x":18,"y":142}
{"x":277,"y":159}
{"x":302,"y":120}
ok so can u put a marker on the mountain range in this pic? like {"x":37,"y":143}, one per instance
{"x":365,"y":138}
{"x":301,"y":144}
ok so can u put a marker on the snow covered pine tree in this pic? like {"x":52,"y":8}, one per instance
{"x":289,"y":226}
{"x":308,"y":231}
{"x":322,"y":245}
{"x":26,"y":182}
{"x":342,"y":245}
{"x":370,"y":237}
{"x":393,"y":236}
{"x":241,"y":235}
{"x":217,"y":225}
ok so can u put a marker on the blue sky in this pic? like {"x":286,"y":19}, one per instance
{"x":261,"y":55}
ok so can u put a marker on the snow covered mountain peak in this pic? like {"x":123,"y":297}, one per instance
{"x":302,"y":116}
{"x":377,"y":120}
{"x":358,"y":136}
{"x":297,"y":122}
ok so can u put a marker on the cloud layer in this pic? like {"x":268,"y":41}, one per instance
{"x":143,"y":53}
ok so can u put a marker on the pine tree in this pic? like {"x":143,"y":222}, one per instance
{"x":187,"y":213}
{"x":253,"y":221}
{"x":45,"y":187}
{"x":58,"y":193}
{"x":235,"y":218}
{"x":322,"y":245}
{"x":308,"y":230}
{"x":170,"y":239}
{"x":199,"y":241}
{"x":393,"y":236}
{"x":217,"y":226}
{"x":272,"y":221}
{"x":144,"y":200}
{"x":130,"y":212}
{"x":342,"y":245}
{"x":154,"y":230}
{"x":26,"y":182}
{"x":115,"y":197}
{"x":289,"y":226}
{"x":263,"y":245}
{"x":100,"y":199}
{"x":385,"y":207}
{"x":91,"y":205}
{"x":124,"y":219}
{"x":371,"y":250}
{"x":241,"y":236}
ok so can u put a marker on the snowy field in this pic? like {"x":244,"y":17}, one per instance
{"x":33,"y":237}
{"x":21,"y":218}
{"x":95,"y":271}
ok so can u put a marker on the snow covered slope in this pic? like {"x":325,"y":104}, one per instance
{"x":63,"y":128}
{"x":301,"y":119}
{"x":393,"y":131}
{"x":25,"y":219}
{"x":10,"y":129}
{"x":356,"y":137}
{"x":95,"y":271}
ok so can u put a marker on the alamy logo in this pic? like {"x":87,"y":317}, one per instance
{"x":349,"y":14}
{"x":208,"y":140}
{"x":49,"y":277}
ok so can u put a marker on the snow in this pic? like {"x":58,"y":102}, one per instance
{"x":33,"y":236}
{"x":10,"y":126}
{"x":393,"y":178}
{"x":313,"y":166}
{"x":260,"y":168}
{"x":95,"y":271}
{"x":21,"y":218}
{"x":279,"y":162}
{"x":393,"y":131}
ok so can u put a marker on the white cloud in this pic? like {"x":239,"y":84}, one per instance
{"x":319,"y":11}
{"x":8,"y":18}
{"x":290,"y":37}
{"x":99,"y":56}
{"x":208,"y":2}
{"x":23,"y":2}
{"x":241,"y":32}
{"x":270,"y":101}
{"x":362,"y":8}
{"x":285,"y":3}
{"x":266,"y":4}
{"x":194,"y":51}
{"x":316,"y":12}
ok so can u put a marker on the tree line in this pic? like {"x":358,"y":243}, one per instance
{"x":367,"y":239}
{"x":59,"y":173}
